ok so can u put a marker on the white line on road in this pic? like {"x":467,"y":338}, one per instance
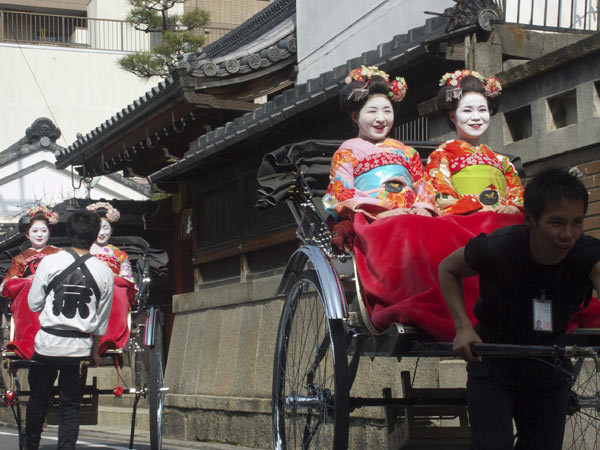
{"x":79,"y":442}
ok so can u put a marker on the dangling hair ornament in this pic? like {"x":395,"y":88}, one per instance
{"x":112,"y":213}
{"x":363,"y":74}
{"x":51,"y":217}
{"x":492,"y":85}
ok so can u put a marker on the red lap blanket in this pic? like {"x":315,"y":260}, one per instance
{"x":397,"y":260}
{"x":118,"y":332}
{"x":27,"y":323}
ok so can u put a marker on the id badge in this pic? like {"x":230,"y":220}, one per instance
{"x":542,"y":314}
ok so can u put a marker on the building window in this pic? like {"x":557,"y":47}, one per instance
{"x":562,"y":110}
{"x":517,"y":125}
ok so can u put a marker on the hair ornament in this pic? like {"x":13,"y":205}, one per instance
{"x":51,"y":217}
{"x":492,"y":85}
{"x":112,"y":213}
{"x":363,"y":74}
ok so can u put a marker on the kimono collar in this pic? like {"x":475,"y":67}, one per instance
{"x":455,"y":145}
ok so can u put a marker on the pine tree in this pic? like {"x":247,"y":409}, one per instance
{"x":174,"y":33}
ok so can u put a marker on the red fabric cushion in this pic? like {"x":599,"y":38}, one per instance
{"x":397,"y":260}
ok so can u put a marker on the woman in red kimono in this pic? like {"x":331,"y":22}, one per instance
{"x":372,"y":173}
{"x":36,"y":224}
{"x":393,"y":228}
{"x":124,"y":289}
{"x":468,"y":175}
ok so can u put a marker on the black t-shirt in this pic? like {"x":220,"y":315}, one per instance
{"x":510,"y":280}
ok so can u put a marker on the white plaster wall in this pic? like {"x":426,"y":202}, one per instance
{"x":34,"y":179}
{"x":330,"y":32}
{"x":77,"y":89}
{"x":111,"y":9}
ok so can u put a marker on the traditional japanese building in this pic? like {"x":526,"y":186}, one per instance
{"x":198,"y":137}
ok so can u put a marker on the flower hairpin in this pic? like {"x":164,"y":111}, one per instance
{"x":51,"y":217}
{"x":492,"y":85}
{"x":112,"y":213}
{"x":364,"y":74}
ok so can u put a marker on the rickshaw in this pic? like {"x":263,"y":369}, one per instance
{"x":143,"y":354}
{"x":324,"y":331}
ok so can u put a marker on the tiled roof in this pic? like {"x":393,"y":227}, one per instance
{"x":165,"y":88}
{"x":263,"y":41}
{"x":252,"y":29}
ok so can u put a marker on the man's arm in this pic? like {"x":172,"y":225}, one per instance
{"x":95,"y":356}
{"x":451,"y":271}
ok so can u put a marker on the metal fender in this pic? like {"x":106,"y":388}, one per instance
{"x":152,"y":321}
{"x":333,"y":293}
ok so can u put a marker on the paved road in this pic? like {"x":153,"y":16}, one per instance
{"x":97,"y":439}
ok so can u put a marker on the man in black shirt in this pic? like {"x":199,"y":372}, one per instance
{"x":532,"y":278}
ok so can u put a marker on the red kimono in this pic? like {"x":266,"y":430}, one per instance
{"x":470,"y":179}
{"x":124,"y":292}
{"x":16,"y":287}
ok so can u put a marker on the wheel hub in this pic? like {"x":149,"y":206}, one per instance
{"x":319,"y":399}
{"x":576,"y":403}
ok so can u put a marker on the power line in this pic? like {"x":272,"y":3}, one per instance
{"x":39,"y":87}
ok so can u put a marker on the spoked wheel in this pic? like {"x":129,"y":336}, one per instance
{"x":582,"y":431}
{"x":311,"y":398}
{"x":156,"y":391}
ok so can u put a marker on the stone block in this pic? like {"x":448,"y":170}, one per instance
{"x":208,"y":350}
{"x":593,"y":208}
{"x":177,"y":351}
{"x":267,"y":337}
{"x":453,"y":373}
{"x":227,"y":350}
{"x":594,"y":194}
{"x":590,"y":223}
{"x":265,"y":288}
{"x":591,"y":181}
{"x":193,"y":354}
{"x":590,"y":168}
{"x":246,"y":354}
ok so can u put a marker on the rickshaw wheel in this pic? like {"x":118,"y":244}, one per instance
{"x":311,"y":403}
{"x":155,"y":384}
{"x":582,"y":430}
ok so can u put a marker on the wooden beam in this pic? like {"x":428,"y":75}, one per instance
{"x":250,"y":245}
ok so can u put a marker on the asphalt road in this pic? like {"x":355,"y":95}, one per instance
{"x":98,"y":439}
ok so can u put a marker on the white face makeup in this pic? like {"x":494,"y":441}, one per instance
{"x":472,"y":117}
{"x":105,"y":232}
{"x":38,"y":234}
{"x":375,"y":119}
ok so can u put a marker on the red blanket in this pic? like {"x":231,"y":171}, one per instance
{"x":118,"y":332}
{"x":27,"y":323}
{"x":397,"y":260}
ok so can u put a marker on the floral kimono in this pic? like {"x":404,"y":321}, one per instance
{"x":26,"y":263}
{"x":124,"y":292}
{"x":470,"y":179}
{"x":372,"y":178}
{"x":117,"y":260}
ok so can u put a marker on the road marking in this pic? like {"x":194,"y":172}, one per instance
{"x":79,"y":442}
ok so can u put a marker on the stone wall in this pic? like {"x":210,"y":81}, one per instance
{"x":220,"y":364}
